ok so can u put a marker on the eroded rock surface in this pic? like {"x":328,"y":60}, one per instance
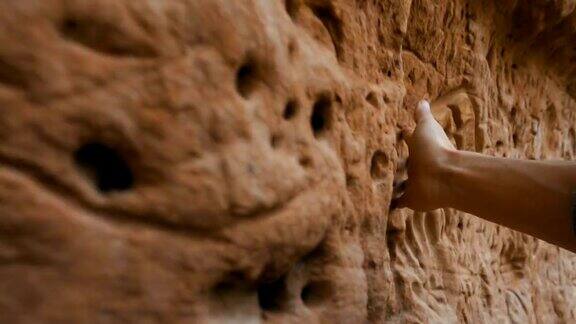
{"x":214,"y":160}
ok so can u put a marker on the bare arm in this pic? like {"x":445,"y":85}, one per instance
{"x":533,"y":197}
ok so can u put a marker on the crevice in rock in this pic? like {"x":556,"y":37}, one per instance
{"x":333,"y":24}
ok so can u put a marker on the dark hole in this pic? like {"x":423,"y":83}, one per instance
{"x":246,"y":79}
{"x":291,"y":109}
{"x":351,"y":181}
{"x":389,"y":73}
{"x":514,"y":66}
{"x":372,"y":99}
{"x":515,"y":139}
{"x":499,"y":143}
{"x":386,"y":98}
{"x":460,"y":225}
{"x":316,"y":292}
{"x":321,"y":115}
{"x":104,"y":165}
{"x":399,"y":135}
{"x":305,"y":161}
{"x":338,"y":99}
{"x":324,"y":13}
{"x":272,"y":295}
{"x":372,"y":264}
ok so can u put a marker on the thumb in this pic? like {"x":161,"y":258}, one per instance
{"x":422,"y":111}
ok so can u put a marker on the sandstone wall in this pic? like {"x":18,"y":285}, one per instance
{"x":186,"y":161}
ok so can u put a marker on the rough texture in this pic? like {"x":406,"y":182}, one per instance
{"x":216,"y":160}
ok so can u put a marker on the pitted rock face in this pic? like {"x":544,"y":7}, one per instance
{"x":210,"y":161}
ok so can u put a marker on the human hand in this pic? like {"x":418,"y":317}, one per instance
{"x":429,"y":148}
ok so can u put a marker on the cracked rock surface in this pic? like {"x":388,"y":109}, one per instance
{"x":216,"y":161}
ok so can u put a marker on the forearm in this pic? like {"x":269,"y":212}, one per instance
{"x":529,"y":196}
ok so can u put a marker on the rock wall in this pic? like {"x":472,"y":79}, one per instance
{"x":186,"y":161}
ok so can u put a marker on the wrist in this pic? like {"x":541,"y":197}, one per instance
{"x":447,"y":172}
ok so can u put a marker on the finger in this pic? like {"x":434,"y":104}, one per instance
{"x":423,"y":111}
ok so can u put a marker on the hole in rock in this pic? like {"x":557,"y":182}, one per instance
{"x":372,"y":99}
{"x":272,"y":296}
{"x":379,"y":165}
{"x":305,"y":161}
{"x":247,"y":78}
{"x":386,"y":98}
{"x":316,"y":292}
{"x":351,"y":180}
{"x":321,"y":115}
{"x":338,"y":99}
{"x":460,"y":225}
{"x":105,"y":167}
{"x":399,"y":135}
{"x":291,"y":109}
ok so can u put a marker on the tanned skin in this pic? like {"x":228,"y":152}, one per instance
{"x":533,"y":197}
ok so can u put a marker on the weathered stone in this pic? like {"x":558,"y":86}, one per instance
{"x":210,"y":160}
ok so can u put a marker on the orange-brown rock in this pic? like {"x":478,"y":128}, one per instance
{"x":186,"y":161}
